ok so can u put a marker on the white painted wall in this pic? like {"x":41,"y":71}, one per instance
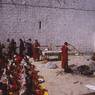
{"x":58,"y":25}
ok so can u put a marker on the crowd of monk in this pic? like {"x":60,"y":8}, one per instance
{"x":17,"y":75}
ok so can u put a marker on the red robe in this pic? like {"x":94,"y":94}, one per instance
{"x":36,"y":51}
{"x":64,"y":56}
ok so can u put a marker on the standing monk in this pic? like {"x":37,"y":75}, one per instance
{"x":29,"y":48}
{"x":64,"y":56}
{"x":21,"y":47}
{"x":36,"y":50}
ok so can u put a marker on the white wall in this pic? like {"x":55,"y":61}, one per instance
{"x":58,"y":25}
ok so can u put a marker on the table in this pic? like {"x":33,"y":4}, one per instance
{"x":52,"y":55}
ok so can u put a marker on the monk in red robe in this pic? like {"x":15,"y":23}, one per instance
{"x":36,"y":50}
{"x":64,"y":56}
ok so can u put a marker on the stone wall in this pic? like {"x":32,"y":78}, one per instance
{"x":61,"y":20}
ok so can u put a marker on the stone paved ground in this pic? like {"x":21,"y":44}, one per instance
{"x":66,"y":84}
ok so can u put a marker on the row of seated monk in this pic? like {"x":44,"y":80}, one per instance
{"x":19,"y":77}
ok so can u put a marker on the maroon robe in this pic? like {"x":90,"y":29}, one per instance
{"x":36,"y":51}
{"x":64,"y":56}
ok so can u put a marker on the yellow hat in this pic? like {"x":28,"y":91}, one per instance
{"x":42,"y":86}
{"x":46,"y":93}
